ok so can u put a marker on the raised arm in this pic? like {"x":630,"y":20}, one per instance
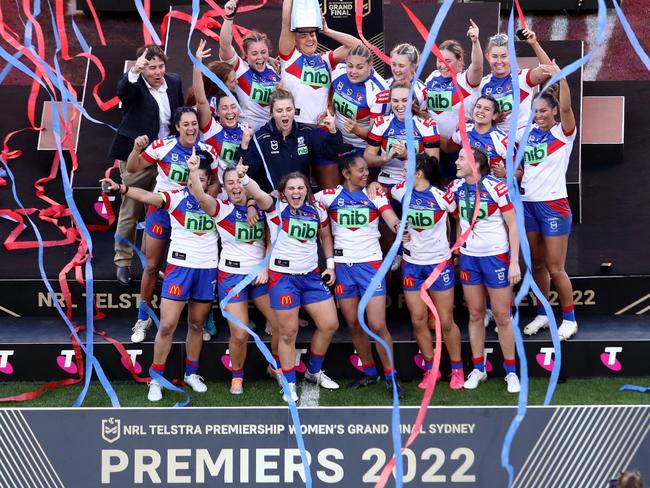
{"x":202,"y":105}
{"x":475,"y":69}
{"x":134,"y":162}
{"x":133,"y":193}
{"x":537,"y":75}
{"x":208,"y":203}
{"x":347,"y":42}
{"x":226,"y":51}
{"x":263,"y":199}
{"x":287,"y":40}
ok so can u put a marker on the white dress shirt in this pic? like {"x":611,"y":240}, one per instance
{"x":160,"y":96}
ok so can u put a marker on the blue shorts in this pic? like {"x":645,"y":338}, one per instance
{"x":414,"y":276}
{"x":158,"y":224}
{"x":491,"y":271}
{"x":228,"y":281}
{"x":352,"y":280}
{"x":289,"y":291}
{"x":183,"y":284}
{"x":551,"y":218}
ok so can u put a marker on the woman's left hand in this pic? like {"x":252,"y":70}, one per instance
{"x":329,"y":122}
{"x":263,"y":277}
{"x":514,"y":273}
{"x":328,"y":276}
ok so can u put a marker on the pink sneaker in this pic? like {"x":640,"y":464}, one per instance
{"x":423,"y":383}
{"x":457,"y":379}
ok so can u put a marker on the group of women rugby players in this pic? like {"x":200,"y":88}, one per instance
{"x":241,"y":169}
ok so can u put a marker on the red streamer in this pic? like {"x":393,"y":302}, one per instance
{"x":358,"y":17}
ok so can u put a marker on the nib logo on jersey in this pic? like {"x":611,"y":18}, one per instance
{"x":133,"y":355}
{"x":5,"y":365}
{"x":67,"y":361}
{"x":608,"y":358}
{"x":545,"y":358}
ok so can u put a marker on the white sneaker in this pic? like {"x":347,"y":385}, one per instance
{"x":155,"y":391}
{"x":474,"y":378}
{"x":196,"y":383}
{"x":140,"y":330}
{"x":568,"y":328}
{"x":206,"y":336}
{"x":488,"y":317}
{"x":294,"y":394}
{"x":538,"y":323}
{"x":321,"y":379}
{"x":512,"y":380}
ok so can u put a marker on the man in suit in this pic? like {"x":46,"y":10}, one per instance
{"x":149,"y":98}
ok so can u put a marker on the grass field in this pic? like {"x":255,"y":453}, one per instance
{"x":593,"y":391}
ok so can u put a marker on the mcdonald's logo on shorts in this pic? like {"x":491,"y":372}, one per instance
{"x":464,"y":275}
{"x":408,"y":281}
{"x":286,"y":300}
{"x":339,"y":289}
{"x":175,"y":290}
{"x":157,"y":229}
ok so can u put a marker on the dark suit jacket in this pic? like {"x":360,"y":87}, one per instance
{"x":140,"y":112}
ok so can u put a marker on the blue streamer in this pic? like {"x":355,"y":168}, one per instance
{"x":90,"y":358}
{"x":392,"y":252}
{"x":295,"y":417}
{"x":528,"y":282}
{"x":631,"y":35}
{"x":147,"y":22}
{"x":168,"y":385}
{"x":641,"y":389}
{"x":72,"y":205}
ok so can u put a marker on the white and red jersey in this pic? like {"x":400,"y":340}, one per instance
{"x":170,"y":156}
{"x":427,"y":223}
{"x":224,"y":141}
{"x":296,"y":230}
{"x":545,"y":162}
{"x":493,"y":142}
{"x":489,"y":236}
{"x":308,"y":78}
{"x":443,"y":100}
{"x":193,"y":234}
{"x":418,"y":96}
{"x":243,"y":246}
{"x":387,"y":130}
{"x":254,"y":91}
{"x":357,"y":101}
{"x":355,"y":223}
{"x":501,"y":90}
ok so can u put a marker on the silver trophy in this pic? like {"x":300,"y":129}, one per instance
{"x":306,"y":16}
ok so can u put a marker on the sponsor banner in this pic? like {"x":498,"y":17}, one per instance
{"x":346,"y":446}
{"x":618,"y":295}
{"x":46,"y":362}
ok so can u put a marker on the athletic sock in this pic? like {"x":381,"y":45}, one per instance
{"x":290,"y":375}
{"x":568,"y":313}
{"x":191,"y":367}
{"x":510,"y":366}
{"x":142,"y":311}
{"x":370,"y":370}
{"x":389,"y":373}
{"x":456,"y":365}
{"x":540,"y":309}
{"x":157,"y":368}
{"x":277,"y":361}
{"x":238,"y":373}
{"x":428,"y":364}
{"x":479,"y":364}
{"x":315,"y":362}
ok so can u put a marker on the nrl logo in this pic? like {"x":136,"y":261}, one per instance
{"x":110,"y":429}
{"x":274,"y":145}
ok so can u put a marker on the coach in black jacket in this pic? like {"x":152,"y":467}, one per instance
{"x":288,"y":145}
{"x":149,"y":98}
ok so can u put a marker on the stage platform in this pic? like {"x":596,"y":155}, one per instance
{"x":39,"y":348}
